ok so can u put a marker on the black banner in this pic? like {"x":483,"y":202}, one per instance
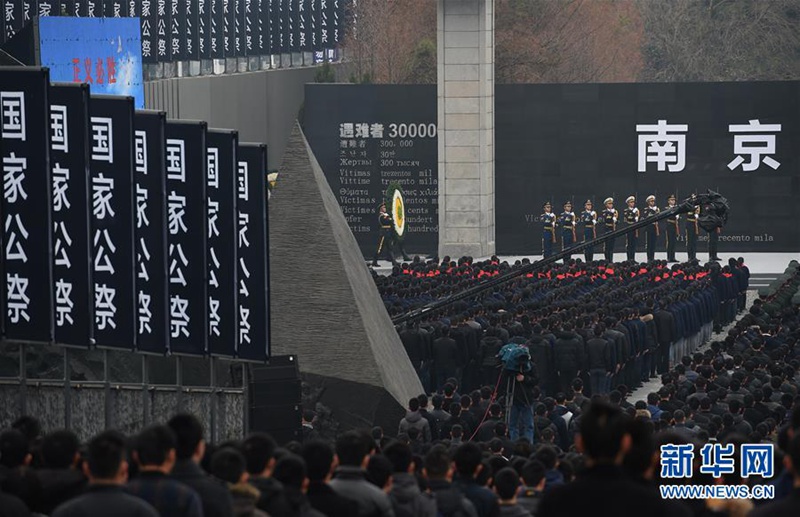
{"x":191,"y":41}
{"x":249,"y":26}
{"x":292,"y":27}
{"x":66,"y":8}
{"x":133,"y":8}
{"x":79,"y":8}
{"x":275,"y":28}
{"x":304,"y":26}
{"x":262,"y":27}
{"x":28,"y":11}
{"x":229,"y":22}
{"x":216,"y":27}
{"x":203,"y":29}
{"x":324,"y":24}
{"x":163,"y":30}
{"x":314,"y":14}
{"x":283,"y":25}
{"x":112,"y":221}
{"x":336,"y":21}
{"x":238,"y":28}
{"x":93,"y":9}
{"x":253,"y":271}
{"x":222,"y":243}
{"x":152,"y":290}
{"x":72,"y":249}
{"x":366,"y":137}
{"x":147,"y":11}
{"x":12,"y":17}
{"x":114,"y":9}
{"x":186,"y":236}
{"x":177,"y":30}
{"x":26,"y":213}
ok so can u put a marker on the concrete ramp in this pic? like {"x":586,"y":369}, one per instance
{"x":325,"y":307}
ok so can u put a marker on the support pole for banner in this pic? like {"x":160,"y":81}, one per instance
{"x":23,"y":379}
{"x":214,"y":398}
{"x":107,"y":390}
{"x":67,"y":391}
{"x":145,"y":392}
{"x":179,"y":382}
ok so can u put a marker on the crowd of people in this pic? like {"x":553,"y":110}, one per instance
{"x":578,"y":442}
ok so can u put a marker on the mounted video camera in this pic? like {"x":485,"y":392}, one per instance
{"x":515,"y":357}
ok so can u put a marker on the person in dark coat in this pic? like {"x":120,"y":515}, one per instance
{"x":107,"y":470}
{"x":603,"y":439}
{"x":506,"y":485}
{"x":259,"y":451}
{"x":291,"y":472}
{"x":229,"y":465}
{"x":407,"y":499}
{"x":490,"y":346}
{"x":154,"y":451}
{"x":541,"y":350}
{"x":60,"y":477}
{"x":189,"y":450}
{"x":438,"y":471}
{"x":445,"y":357}
{"x":468,"y":459}
{"x":350,"y":477}
{"x":569,"y":356}
{"x":789,"y":506}
{"x":600,"y":360}
{"x":11,"y":506}
{"x":665,"y":330}
{"x":320,"y":464}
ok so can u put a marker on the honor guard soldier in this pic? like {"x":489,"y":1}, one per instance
{"x":567,"y":222}
{"x":548,"y":219}
{"x":589,"y":220}
{"x":631,"y":216}
{"x":692,"y":230}
{"x":673,"y":230}
{"x":386,"y":242}
{"x":609,"y":217}
{"x":653,"y":231}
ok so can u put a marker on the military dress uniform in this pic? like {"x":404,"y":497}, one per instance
{"x":589,"y":220}
{"x":548,"y":220}
{"x":692,"y":231}
{"x":652,"y":232}
{"x":631,"y":216}
{"x":609,"y":217}
{"x":567,"y":222}
{"x":673,"y":230}
{"x":385,"y":243}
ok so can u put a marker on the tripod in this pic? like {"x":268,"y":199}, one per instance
{"x":511,"y":383}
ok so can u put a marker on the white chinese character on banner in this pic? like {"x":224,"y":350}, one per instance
{"x":243,"y":278}
{"x":212,"y":277}
{"x":244,"y":324}
{"x":141,"y":207}
{"x":213,"y":317}
{"x":102,"y":140}
{"x":13,"y":177}
{"x":178,"y":317}
{"x":362,"y":131}
{"x":102,"y":254}
{"x":60,"y":187}
{"x":175,"y":160}
{"x":662,"y":144}
{"x":213,"y":215}
{"x":244,"y":219}
{"x":62,"y":237}
{"x":12,"y":105}
{"x":753,"y":145}
{"x":140,"y":152}
{"x":64,"y":303}
{"x":346,"y":130}
{"x":175,"y":269}
{"x":213,"y":172}
{"x":17,"y":301}
{"x":176,"y":206}
{"x":14,"y":249}
{"x":244,"y":188}
{"x":376,"y":130}
{"x":104,"y":309}
{"x":102,"y":193}
{"x":145,"y":315}
{"x":143,"y":257}
{"x":58,"y":123}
